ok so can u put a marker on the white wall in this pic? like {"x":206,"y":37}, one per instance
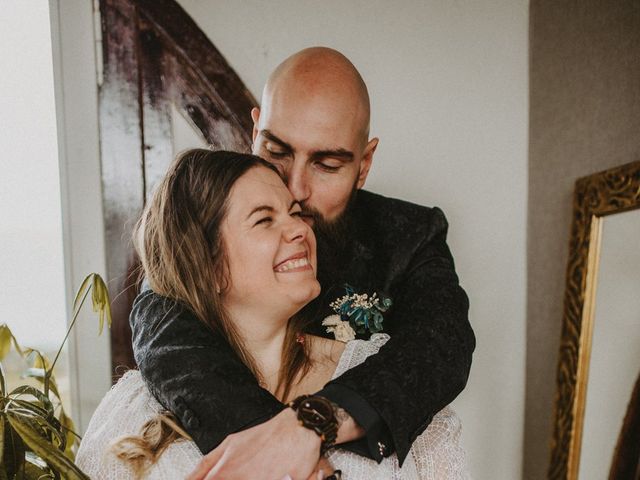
{"x":32,"y":297}
{"x":449,"y":89}
{"x":73,"y":23}
{"x":32,"y":280}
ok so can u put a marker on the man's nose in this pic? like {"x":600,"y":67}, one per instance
{"x":297,"y":182}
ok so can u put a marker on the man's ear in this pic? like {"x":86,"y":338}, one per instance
{"x":365,"y":163}
{"x":255,"y":116}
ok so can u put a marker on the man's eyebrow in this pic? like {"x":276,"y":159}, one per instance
{"x":339,"y":153}
{"x":269,"y":208}
{"x":271,"y":137}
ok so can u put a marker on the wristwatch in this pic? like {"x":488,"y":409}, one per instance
{"x":318,"y":414}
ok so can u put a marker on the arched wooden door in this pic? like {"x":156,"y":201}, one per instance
{"x":165,"y":87}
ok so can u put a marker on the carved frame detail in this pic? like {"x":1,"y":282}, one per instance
{"x":595,"y":196}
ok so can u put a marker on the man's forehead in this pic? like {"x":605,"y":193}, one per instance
{"x":309,"y":130}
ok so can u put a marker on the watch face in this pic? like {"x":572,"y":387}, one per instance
{"x":315,"y":412}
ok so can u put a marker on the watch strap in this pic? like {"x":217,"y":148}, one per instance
{"x":328,"y":430}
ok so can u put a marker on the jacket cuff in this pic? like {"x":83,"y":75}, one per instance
{"x":377,"y":442}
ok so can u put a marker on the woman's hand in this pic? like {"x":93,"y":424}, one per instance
{"x":274,"y":449}
{"x":322,"y":470}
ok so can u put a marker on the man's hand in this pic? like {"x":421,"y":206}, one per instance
{"x":272,"y":450}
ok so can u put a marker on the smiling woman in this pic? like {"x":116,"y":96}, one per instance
{"x":271,"y":251}
{"x":223,"y":238}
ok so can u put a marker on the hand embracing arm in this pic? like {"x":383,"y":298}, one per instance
{"x":194,"y":373}
{"x":243,"y":430}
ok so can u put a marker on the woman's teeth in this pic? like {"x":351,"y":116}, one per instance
{"x":291,"y":264}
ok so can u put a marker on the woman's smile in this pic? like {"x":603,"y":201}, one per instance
{"x":295,"y":263}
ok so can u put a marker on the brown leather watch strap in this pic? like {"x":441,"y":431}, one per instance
{"x":318,"y":414}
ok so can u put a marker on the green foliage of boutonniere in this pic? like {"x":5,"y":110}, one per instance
{"x":356,"y":313}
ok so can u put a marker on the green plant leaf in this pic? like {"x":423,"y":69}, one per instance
{"x":83,"y":286}
{"x":101,"y":302}
{"x":41,"y":367}
{"x":39,"y":359}
{"x":14,"y":450}
{"x":71,"y":436}
{"x":41,"y":447}
{"x":34,"y":468}
{"x":39,"y":374}
{"x":31,"y":414}
{"x":6,"y":339}
{"x":3,"y":385}
{"x":3,"y":420}
{"x":26,"y":408}
{"x":34,"y":443}
{"x":34,"y":392}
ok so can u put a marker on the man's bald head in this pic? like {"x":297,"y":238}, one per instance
{"x":313,"y":125}
{"x":320,"y":74}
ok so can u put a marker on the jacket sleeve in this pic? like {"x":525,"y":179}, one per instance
{"x":426,"y":363}
{"x":194,"y":373}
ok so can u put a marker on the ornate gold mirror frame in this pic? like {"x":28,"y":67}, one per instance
{"x":596,"y":196}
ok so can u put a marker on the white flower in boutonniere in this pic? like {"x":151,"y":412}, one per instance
{"x":362,"y":312}
{"x":340,"y":329}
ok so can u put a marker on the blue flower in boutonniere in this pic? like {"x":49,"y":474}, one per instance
{"x":356,"y":312}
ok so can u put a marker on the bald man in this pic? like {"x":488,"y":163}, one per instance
{"x":313,"y":125}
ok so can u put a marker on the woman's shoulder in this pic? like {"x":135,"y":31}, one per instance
{"x":123,"y":411}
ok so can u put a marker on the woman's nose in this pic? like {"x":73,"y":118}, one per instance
{"x":296,"y":230}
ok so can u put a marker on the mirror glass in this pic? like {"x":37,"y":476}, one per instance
{"x":615,"y":354}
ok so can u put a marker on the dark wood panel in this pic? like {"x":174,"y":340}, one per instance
{"x":223,"y":86}
{"x":122,"y":164}
{"x":155,"y":58}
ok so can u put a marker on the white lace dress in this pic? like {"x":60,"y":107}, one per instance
{"x":435,"y":455}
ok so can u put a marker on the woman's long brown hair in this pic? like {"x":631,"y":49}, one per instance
{"x":179,"y":241}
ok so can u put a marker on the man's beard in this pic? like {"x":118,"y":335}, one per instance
{"x":333,"y":239}
{"x":332,"y":233}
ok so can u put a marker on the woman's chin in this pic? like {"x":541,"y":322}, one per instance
{"x":304,"y":293}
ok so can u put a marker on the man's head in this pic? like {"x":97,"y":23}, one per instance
{"x":314,"y":127}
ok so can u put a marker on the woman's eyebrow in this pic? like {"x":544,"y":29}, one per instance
{"x":269,"y":208}
{"x":260,"y":208}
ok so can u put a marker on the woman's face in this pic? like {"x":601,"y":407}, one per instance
{"x":271,"y":252}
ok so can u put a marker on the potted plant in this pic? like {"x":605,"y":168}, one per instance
{"x":37,"y":437}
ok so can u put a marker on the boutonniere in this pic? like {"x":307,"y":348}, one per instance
{"x":356,"y":313}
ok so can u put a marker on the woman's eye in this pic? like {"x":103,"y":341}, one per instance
{"x":263,"y":221}
{"x":296,"y":214}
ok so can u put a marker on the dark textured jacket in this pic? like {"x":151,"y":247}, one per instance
{"x":396,"y":248}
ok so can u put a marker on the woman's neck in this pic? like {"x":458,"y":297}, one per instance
{"x":263,"y":337}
